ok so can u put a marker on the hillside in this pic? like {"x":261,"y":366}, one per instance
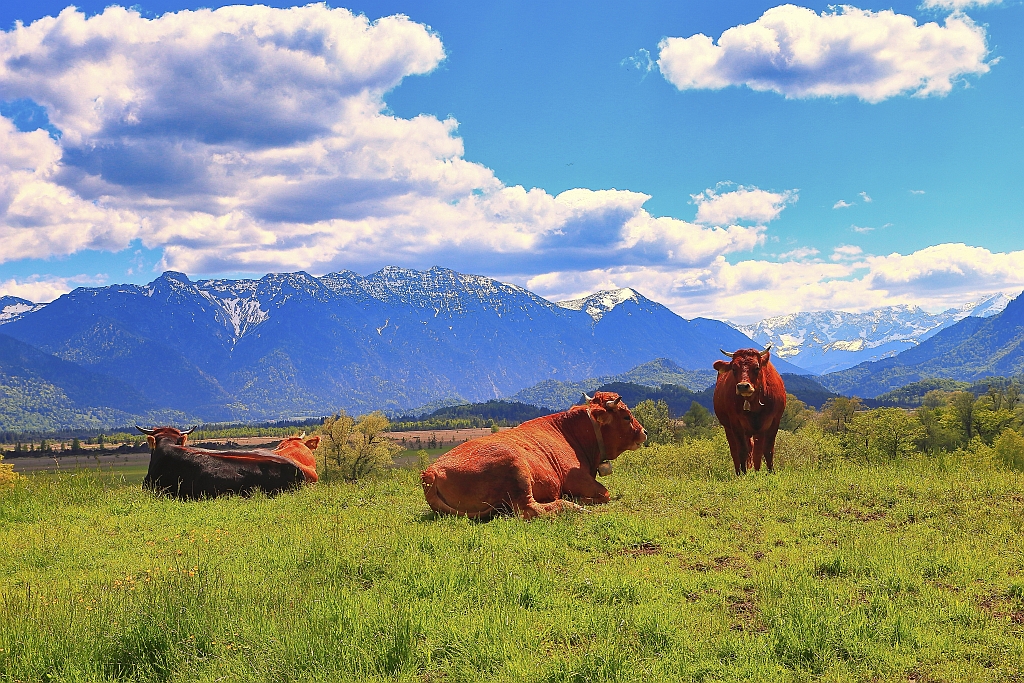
{"x":970,"y":350}
{"x":40,"y":392}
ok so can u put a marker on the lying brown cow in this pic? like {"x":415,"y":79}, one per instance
{"x":180,"y":470}
{"x":527,"y":470}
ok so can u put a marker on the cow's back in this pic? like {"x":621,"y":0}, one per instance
{"x":185,"y":474}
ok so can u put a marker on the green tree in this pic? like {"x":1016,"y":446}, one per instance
{"x":936,"y":433}
{"x":962,"y":405}
{"x":936,"y":398}
{"x":1009,"y":449}
{"x":698,"y":420}
{"x":76,"y":445}
{"x":796,"y":414}
{"x":895,"y":433}
{"x":654,"y":418}
{"x":837,"y":413}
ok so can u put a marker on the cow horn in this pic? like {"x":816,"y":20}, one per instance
{"x":586,"y":398}
{"x":727,"y":353}
{"x":189,"y":431}
{"x":147,"y":432}
{"x":770,"y":344}
{"x":303,"y":434}
{"x":611,"y":404}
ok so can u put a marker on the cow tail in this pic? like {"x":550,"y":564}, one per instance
{"x":433,"y":496}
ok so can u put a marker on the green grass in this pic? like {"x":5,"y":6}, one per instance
{"x":910,"y":571}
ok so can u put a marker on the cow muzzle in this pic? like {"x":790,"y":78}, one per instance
{"x":745,"y":389}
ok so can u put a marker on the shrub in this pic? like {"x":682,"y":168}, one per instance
{"x":355,"y":448}
{"x":654,"y":418}
{"x":1009,"y":449}
{"x":693,"y":458}
{"x":7,"y":474}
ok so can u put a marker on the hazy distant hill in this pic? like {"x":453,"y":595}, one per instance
{"x":970,"y":350}
{"x":560,"y":395}
{"x":292,"y":345}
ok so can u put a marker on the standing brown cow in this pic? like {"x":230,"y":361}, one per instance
{"x":749,"y":400}
{"x":527,"y":469}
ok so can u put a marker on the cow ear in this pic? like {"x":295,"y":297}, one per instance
{"x":722,"y":366}
{"x":151,"y":440}
{"x":183,"y":440}
{"x":601,"y":414}
{"x":312,"y":442}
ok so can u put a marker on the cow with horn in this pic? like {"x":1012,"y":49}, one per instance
{"x":749,"y":400}
{"x":528,"y":469}
{"x":183,"y":471}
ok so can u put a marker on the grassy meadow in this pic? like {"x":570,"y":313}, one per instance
{"x":911,"y":570}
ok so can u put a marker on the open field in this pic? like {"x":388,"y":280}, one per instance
{"x":907,"y":571}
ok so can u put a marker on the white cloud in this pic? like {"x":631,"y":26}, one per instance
{"x":715,"y":207}
{"x":42,"y":289}
{"x":861,"y":228}
{"x":846,"y":252}
{"x":257,"y":139}
{"x":799,"y":254}
{"x":842,"y":204}
{"x":917,"y":192}
{"x":957,"y":4}
{"x":846,"y":52}
{"x":934,"y":278}
{"x":866,"y":197}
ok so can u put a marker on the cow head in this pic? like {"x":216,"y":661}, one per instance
{"x":745,"y":367}
{"x":175,"y":436}
{"x":311,"y":442}
{"x":619,"y":429}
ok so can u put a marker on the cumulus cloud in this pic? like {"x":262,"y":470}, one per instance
{"x":866,"y":197}
{"x":46,"y":289}
{"x":715,"y":207}
{"x":798,"y":53}
{"x":250,"y":138}
{"x":934,"y":278}
{"x":842,"y":204}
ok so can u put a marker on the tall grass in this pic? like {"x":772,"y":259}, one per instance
{"x":827,"y":570}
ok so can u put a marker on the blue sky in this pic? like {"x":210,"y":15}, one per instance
{"x":743,"y":189}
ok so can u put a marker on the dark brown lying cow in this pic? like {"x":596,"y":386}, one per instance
{"x":182,"y":471}
{"x":527,"y":469}
{"x":749,"y":400}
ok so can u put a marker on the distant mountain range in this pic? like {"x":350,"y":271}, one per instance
{"x":970,"y":350}
{"x":294,"y":345}
{"x":828,"y":341}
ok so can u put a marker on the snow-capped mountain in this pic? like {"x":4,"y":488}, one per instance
{"x":12,"y":308}
{"x":596,"y":305}
{"x":828,"y":341}
{"x":289,"y":345}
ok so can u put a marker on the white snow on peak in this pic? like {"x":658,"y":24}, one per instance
{"x":10,"y":312}
{"x":599,"y":303}
{"x":810,"y":339}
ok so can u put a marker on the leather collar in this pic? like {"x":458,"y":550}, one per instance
{"x":600,"y":439}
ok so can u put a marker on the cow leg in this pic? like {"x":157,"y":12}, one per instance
{"x":585,"y":488}
{"x":536,"y":509}
{"x":757,"y":454}
{"x":769,"y":445}
{"x":738,"y":448}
